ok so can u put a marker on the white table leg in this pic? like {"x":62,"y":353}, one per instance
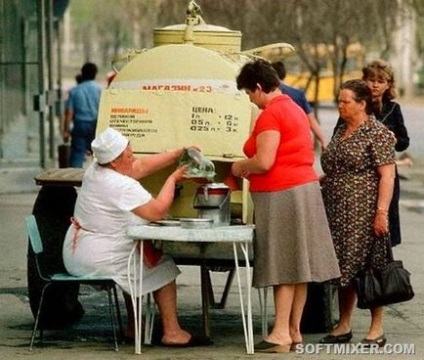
{"x":149,"y":319}
{"x":247,"y":328}
{"x":136,"y":290}
{"x":263,"y":295}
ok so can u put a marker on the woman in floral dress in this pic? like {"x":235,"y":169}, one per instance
{"x":380,"y":78}
{"x":357,"y":188}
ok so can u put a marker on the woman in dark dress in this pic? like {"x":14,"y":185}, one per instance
{"x":359,"y":167}
{"x":379,"y":77}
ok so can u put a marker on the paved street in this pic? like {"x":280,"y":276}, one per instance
{"x":91,"y":338}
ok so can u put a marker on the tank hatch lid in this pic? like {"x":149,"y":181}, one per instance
{"x":198,"y":27}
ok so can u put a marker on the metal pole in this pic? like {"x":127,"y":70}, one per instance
{"x":2,"y":83}
{"x":41,"y":90}
{"x":51,"y":95}
{"x":59,"y":98}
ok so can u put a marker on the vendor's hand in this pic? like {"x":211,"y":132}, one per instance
{"x":197,"y":147}
{"x":180,"y":173}
{"x":381,"y":223}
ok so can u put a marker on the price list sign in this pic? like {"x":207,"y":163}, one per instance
{"x":210,"y":119}
{"x":158,"y":121}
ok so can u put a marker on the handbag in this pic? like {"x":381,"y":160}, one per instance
{"x":388,"y":285}
{"x":64,"y":153}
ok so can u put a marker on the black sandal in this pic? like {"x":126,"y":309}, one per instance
{"x":379,"y":341}
{"x":337,"y":339}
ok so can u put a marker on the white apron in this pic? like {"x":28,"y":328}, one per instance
{"x":97,"y":244}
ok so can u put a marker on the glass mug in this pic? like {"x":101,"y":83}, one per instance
{"x":199,"y":166}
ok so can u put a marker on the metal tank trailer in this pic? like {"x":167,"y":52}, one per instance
{"x":178,"y":93}
{"x":183,"y":92}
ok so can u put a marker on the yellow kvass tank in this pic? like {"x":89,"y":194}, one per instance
{"x":183,"y":92}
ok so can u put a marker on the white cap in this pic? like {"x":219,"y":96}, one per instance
{"x":108,"y":145}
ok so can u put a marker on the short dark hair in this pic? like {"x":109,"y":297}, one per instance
{"x":361,"y":92}
{"x":280,"y":68}
{"x":78,"y":78}
{"x":258,"y":72}
{"x":88,"y":71}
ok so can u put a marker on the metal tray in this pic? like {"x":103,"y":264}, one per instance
{"x":196,"y":223}
{"x":168,"y":222}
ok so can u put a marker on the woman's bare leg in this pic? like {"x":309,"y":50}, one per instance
{"x":166,"y":300}
{"x":283,"y":302}
{"x":299,"y":301}
{"x":130,"y":330}
{"x":376,"y":327}
{"x":347,"y":299}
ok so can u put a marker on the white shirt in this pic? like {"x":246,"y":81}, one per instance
{"x":101,"y":246}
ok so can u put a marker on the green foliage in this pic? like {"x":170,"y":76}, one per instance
{"x":106,"y":28}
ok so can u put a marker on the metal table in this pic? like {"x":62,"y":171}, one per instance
{"x":240,"y":235}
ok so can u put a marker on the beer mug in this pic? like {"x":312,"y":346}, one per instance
{"x":199,"y":166}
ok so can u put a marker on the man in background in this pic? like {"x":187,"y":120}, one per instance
{"x":299,"y":98}
{"x":81,"y":111}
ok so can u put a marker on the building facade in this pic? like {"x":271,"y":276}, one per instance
{"x":30,"y":88}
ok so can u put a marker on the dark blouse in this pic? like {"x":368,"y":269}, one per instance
{"x":392,"y":117}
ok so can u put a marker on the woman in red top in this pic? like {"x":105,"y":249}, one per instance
{"x":293,"y":244}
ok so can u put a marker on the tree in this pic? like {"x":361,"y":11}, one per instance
{"x":320,"y":30}
{"x":323,"y":30}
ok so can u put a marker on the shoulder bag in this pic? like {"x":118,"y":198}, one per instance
{"x":379,"y":287}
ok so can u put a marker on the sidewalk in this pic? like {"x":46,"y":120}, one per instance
{"x":91,"y":338}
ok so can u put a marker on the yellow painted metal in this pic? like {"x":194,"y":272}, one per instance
{"x":183,"y":92}
{"x":181,"y":95}
{"x":157,"y":121}
{"x":207,"y":36}
{"x":181,"y":62}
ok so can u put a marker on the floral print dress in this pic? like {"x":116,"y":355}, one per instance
{"x":350,"y":191}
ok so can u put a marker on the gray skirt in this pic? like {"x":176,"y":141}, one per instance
{"x":293,"y":242}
